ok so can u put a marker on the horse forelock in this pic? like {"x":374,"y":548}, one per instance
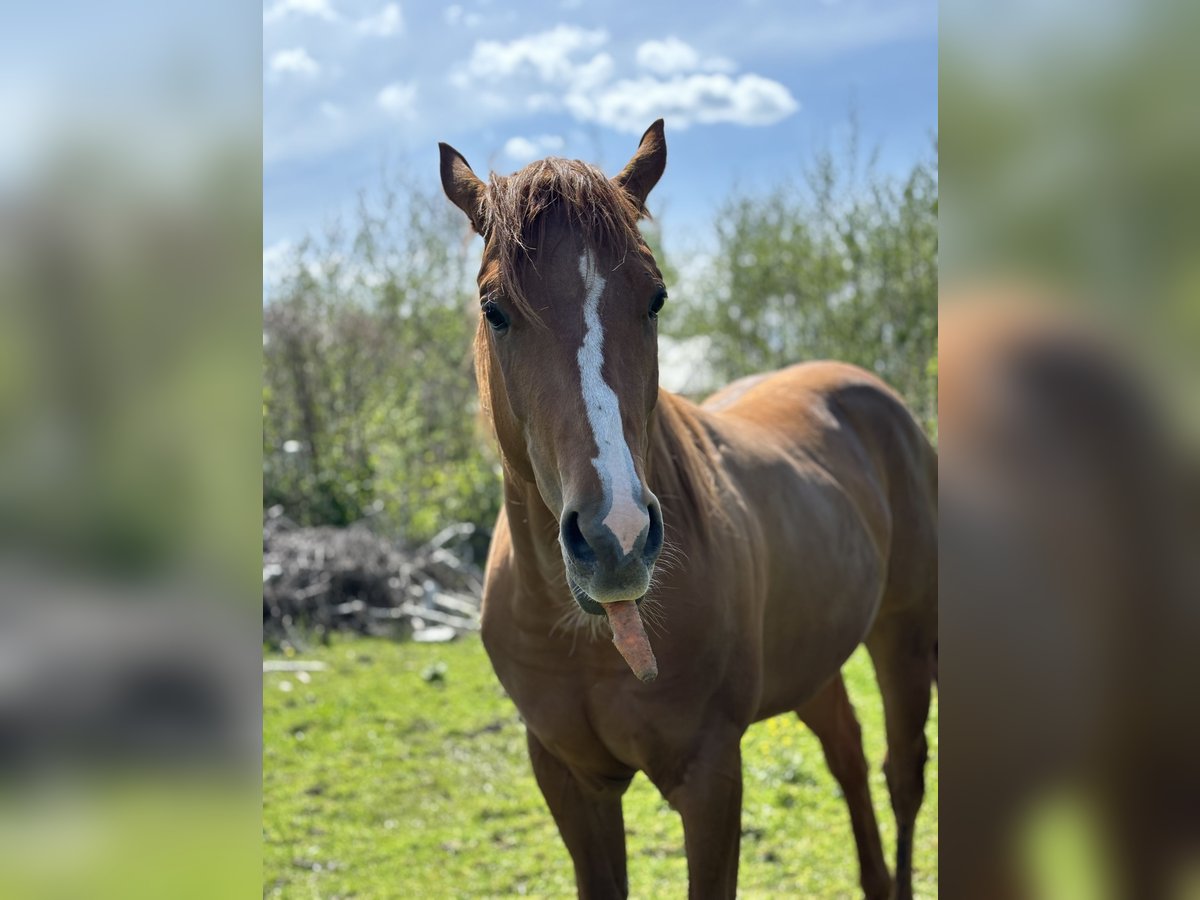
{"x":519,"y":207}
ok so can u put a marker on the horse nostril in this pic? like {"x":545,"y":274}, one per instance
{"x":654,"y":534}
{"x":573,"y":540}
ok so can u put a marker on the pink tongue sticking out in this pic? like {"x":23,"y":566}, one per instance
{"x":630,"y":638}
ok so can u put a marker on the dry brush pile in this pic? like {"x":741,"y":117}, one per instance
{"x":318,"y":580}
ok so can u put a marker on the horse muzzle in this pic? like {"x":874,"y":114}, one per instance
{"x":600,"y":568}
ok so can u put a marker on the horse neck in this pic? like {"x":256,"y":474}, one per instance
{"x":683,"y":469}
{"x":534,"y":530}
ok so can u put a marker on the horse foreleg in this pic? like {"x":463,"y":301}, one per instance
{"x":588,"y":815}
{"x":708,"y":797}
{"x":830,"y":716}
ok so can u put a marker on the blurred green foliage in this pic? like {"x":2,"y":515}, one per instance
{"x":369,"y":400}
{"x":127,"y":341}
{"x":1072,"y":154}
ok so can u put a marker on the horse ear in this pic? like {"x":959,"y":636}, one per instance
{"x":642,"y":174}
{"x":462,"y":185}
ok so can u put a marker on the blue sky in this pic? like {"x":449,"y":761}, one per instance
{"x":748,"y":88}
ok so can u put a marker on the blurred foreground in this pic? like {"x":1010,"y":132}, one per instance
{"x":1070,"y":496}
{"x":130,"y":337}
{"x":1069,"y":609}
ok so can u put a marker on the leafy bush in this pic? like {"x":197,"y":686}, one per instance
{"x":840,"y":266}
{"x":369,"y":399}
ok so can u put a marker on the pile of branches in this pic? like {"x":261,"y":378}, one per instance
{"x":318,"y":580}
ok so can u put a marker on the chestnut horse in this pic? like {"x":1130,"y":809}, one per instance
{"x":795,"y":513}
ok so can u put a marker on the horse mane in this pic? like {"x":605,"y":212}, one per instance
{"x":683,"y":468}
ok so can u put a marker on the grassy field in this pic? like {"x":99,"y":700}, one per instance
{"x":400,"y":771}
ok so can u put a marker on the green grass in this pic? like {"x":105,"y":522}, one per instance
{"x":378,"y":783}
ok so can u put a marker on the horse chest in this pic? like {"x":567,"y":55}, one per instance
{"x":586,"y":735}
{"x":591,"y":718}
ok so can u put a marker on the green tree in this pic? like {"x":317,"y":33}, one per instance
{"x":369,"y":400}
{"x":840,"y":265}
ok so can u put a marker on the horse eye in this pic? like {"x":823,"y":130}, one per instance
{"x":495,"y":316}
{"x":657,"y":303}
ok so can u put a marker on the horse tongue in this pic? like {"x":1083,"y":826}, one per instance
{"x":630,"y":638}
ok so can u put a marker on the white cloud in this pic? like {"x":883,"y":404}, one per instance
{"x":295,"y":61}
{"x":281,"y":9}
{"x":685,"y":100}
{"x":455,"y":15}
{"x":592,"y":73}
{"x":524,"y":150}
{"x":566,"y":67}
{"x":550,"y":55}
{"x":387,"y":22}
{"x":541,"y":102}
{"x":669,"y":56}
{"x":665,"y":57}
{"x":398,"y":99}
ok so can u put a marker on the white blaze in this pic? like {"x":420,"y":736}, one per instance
{"x":626,"y":517}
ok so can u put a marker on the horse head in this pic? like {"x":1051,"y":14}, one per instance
{"x":567,"y":353}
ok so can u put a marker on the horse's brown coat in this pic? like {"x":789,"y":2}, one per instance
{"x":800,"y":516}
